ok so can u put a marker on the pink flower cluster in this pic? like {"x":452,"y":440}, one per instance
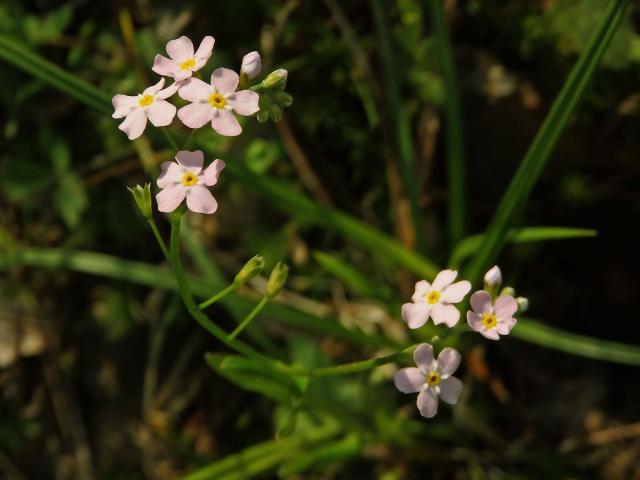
{"x":216,"y":102}
{"x":491,"y":315}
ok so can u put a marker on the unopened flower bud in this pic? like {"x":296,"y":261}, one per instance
{"x":251,"y":65}
{"x":252,"y":268}
{"x":493,"y":278}
{"x":508,"y":291}
{"x":276,"y":79}
{"x":523,"y":304}
{"x":142,"y":196}
{"x":277,"y":279}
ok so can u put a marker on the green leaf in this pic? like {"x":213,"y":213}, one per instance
{"x":349,"y":275}
{"x":468,"y":246}
{"x":255,"y":377}
{"x":546,"y":139}
{"x":595,"y":348}
{"x":70,"y":199}
{"x":15,"y":53}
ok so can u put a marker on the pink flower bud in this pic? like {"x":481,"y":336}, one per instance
{"x":251,"y":65}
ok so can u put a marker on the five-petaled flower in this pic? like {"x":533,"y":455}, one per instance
{"x":492,"y":319}
{"x":432,"y":378}
{"x":436,"y":300}
{"x":149,"y":104}
{"x":215,"y":102}
{"x":186,"y":179}
{"x":183,"y":61}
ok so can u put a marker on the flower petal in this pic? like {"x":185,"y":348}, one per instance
{"x":180,"y":49}
{"x":171,"y":197}
{"x":448,"y":361}
{"x":165,"y":66}
{"x":455,"y":292}
{"x":244,"y":102}
{"x":225,"y":123}
{"x":225,"y":80}
{"x":443,"y":279}
{"x":427,"y":403}
{"x":474,"y":320}
{"x":212,"y":172}
{"x":200,"y":200}
{"x":481,"y":302}
{"x":205,"y":49}
{"x":415,"y":315}
{"x":443,"y":313}
{"x":195,"y":90}
{"x":170,"y":173}
{"x":153,"y":89}
{"x":422,"y":288}
{"x":423,"y":356}
{"x":450,"y":389}
{"x":505,"y":325}
{"x":195,"y":115}
{"x":161,"y":113}
{"x":123,"y":104}
{"x":191,"y":161}
{"x":409,"y":380}
{"x":490,"y":333}
{"x":170,"y":90}
{"x":505,"y":306}
{"x":134,"y":124}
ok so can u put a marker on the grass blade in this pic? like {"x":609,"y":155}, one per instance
{"x":25,"y":59}
{"x":399,"y":120}
{"x":468,"y":246}
{"x":549,"y":337}
{"x":453,"y":123}
{"x":540,"y":150}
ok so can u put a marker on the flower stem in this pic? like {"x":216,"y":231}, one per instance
{"x":189,"y":140}
{"x":156,"y":232}
{"x":222,"y":293}
{"x":249,"y":318}
{"x":170,"y":139}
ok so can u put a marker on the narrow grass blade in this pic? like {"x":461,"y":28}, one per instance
{"x":540,"y":150}
{"x":550,"y":337}
{"x":350,"y":276}
{"x":468,"y":246}
{"x":13,"y":52}
{"x":399,"y":119}
{"x":159,"y":277}
{"x":453,"y":123}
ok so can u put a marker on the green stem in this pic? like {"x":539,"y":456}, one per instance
{"x":192,"y":307}
{"x":189,"y":140}
{"x":170,"y":139}
{"x":354,"y":367}
{"x":222,"y":293}
{"x":249,"y":318}
{"x":156,"y":232}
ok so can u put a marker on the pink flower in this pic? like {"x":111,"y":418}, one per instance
{"x":492,"y":319}
{"x":251,"y":65}
{"x":216,"y":102}
{"x":186,"y":179}
{"x":432,"y":378}
{"x":183,"y":62}
{"x":149,"y":104}
{"x":436,"y":301}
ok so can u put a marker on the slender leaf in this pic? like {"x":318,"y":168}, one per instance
{"x":550,"y":337}
{"x":546,"y":139}
{"x":25,"y":59}
{"x":453,"y":123}
{"x":470,"y":245}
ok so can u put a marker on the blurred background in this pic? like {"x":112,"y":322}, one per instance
{"x":101,"y":368}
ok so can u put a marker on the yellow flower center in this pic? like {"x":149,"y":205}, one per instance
{"x":188,"y":64}
{"x":146,"y":100}
{"x":433,"y":378}
{"x":189,"y":179}
{"x":489,"y":320}
{"x":217,"y":100}
{"x":432,"y":297}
